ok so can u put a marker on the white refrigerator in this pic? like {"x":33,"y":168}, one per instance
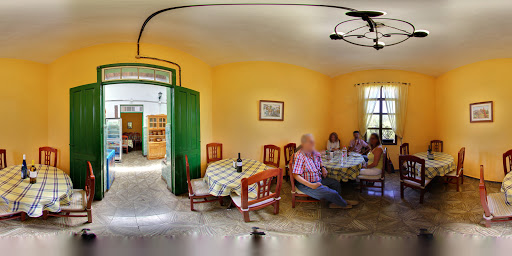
{"x":114,"y":136}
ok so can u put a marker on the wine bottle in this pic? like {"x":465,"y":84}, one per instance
{"x":239,"y":164}
{"x":24,"y":168}
{"x":33,"y":173}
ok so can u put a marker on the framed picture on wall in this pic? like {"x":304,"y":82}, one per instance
{"x":271,"y":110}
{"x":481,"y":112}
{"x":130,"y":125}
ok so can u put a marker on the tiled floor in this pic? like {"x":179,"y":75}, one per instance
{"x":139,"y":204}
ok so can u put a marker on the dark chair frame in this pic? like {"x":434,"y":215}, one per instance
{"x":404,"y":149}
{"x":372,"y":183}
{"x":459,"y":177}
{"x":269,"y":155}
{"x":215,"y":154}
{"x":288,"y":150}
{"x":193,"y":197}
{"x":485,"y":205}
{"x":436,"y":145}
{"x":47,"y":156}
{"x":296,"y":197}
{"x":507,"y":157}
{"x":3,"y":159}
{"x":408,"y":171}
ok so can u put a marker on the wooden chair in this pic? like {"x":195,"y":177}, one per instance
{"x":297,"y":195}
{"x":125,"y":143}
{"x":6,"y":214}
{"x":264,"y":198}
{"x":369,"y":181}
{"x":507,"y":157}
{"x":81,"y":200}
{"x":494,"y":204}
{"x":198,"y":189}
{"x":137,"y":139}
{"x":48,"y":151}
{"x":404,"y":149}
{"x":3,"y":159}
{"x":409,"y":175}
{"x":213,"y":152}
{"x":289,"y":150}
{"x":269,"y":155}
{"x":457,"y":175}
{"x":436,"y":145}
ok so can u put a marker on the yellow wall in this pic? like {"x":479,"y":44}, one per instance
{"x":485,"y":142}
{"x":79,"y":67}
{"x":23,"y":105}
{"x":420,"y":123}
{"x":135,"y":118}
{"x":237,"y":90}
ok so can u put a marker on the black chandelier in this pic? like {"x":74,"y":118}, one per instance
{"x":369,"y":31}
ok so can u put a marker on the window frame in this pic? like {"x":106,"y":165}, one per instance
{"x":381,"y":101}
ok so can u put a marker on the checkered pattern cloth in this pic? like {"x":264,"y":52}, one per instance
{"x":222,"y":178}
{"x":344,"y":171}
{"x":441,"y":165}
{"x":53,"y":189}
{"x":506,"y":187}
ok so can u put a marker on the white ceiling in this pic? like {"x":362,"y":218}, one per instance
{"x":462,"y":32}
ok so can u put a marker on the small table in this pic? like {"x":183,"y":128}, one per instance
{"x":441,"y":165}
{"x":53,"y":189}
{"x":344,"y":171}
{"x":222,"y":178}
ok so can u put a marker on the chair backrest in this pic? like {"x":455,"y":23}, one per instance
{"x":289,"y":150}
{"x":213,"y":152}
{"x":271,"y":155}
{"x":89,"y":185}
{"x":409,"y":169}
{"x":483,"y":193}
{"x":137,"y":136}
{"x":131,"y":135}
{"x":48,"y":151}
{"x":125,"y":137}
{"x":190,"y":190}
{"x":436,"y":145}
{"x":264,"y":181}
{"x":290,"y":170}
{"x":3,"y":159}
{"x":404,"y":149}
{"x":460,"y":160}
{"x":507,"y":157}
{"x":384,"y":162}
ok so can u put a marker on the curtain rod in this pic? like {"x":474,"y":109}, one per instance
{"x":381,"y":83}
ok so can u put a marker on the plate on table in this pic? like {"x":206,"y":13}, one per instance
{"x":354,"y":154}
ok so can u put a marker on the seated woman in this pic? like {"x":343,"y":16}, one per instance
{"x":375,"y":159}
{"x":333,"y":143}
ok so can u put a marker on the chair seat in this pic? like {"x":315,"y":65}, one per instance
{"x":238,"y":201}
{"x":417,"y":184}
{"x":78,"y":201}
{"x":199,"y":187}
{"x":5,"y":211}
{"x":452,"y":174}
{"x":498,"y":205}
{"x":370,"y":177}
{"x":298,"y":191}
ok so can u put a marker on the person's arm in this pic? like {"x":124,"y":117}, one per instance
{"x":377,"y":155}
{"x":351,"y":146}
{"x":337,"y":146}
{"x":304,"y":182}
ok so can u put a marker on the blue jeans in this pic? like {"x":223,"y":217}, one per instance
{"x":329,"y":190}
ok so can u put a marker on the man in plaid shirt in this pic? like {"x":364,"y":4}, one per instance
{"x":311,"y":176}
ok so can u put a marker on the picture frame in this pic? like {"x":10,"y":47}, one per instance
{"x":271,"y":110}
{"x":129,"y":125}
{"x":481,"y":112}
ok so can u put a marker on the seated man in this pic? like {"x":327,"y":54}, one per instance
{"x":311,"y":176}
{"x":358,"y":145}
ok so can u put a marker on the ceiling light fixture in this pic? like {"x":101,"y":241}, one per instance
{"x":369,"y":30}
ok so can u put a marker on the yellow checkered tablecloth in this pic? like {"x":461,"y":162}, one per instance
{"x":506,"y":187}
{"x":53,"y":189}
{"x":222,"y":178}
{"x":441,"y":165}
{"x":346,"y":170}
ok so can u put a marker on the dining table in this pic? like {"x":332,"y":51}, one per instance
{"x":343,"y":169}
{"x":52,"y":190}
{"x":223,"y":179}
{"x":442,"y":164}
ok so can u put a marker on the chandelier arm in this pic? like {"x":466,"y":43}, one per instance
{"x":335,"y":30}
{"x":405,"y":39}
{"x":400,"y":34}
{"x":403,"y":30}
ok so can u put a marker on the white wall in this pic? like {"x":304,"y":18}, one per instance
{"x":135,"y":94}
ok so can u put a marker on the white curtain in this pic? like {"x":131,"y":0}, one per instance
{"x":396,"y":103}
{"x":367,"y":95}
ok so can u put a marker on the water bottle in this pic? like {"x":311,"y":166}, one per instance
{"x":344,"y":154}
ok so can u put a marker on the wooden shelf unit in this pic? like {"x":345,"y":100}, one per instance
{"x":156,"y":131}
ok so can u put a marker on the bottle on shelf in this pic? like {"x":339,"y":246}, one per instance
{"x":239,"y":164}
{"x":24,"y":168}
{"x":33,"y":173}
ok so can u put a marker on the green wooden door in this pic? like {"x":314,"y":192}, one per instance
{"x":85,"y":135}
{"x":187,"y":138}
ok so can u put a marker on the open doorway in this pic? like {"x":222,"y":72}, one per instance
{"x":135,"y":129}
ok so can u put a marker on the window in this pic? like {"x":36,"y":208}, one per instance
{"x":380,"y":122}
{"x":137,"y":73}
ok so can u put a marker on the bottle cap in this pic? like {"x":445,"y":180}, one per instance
{"x":24,"y":157}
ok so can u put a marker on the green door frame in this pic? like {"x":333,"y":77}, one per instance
{"x":134,"y":81}
{"x":120,"y":112}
